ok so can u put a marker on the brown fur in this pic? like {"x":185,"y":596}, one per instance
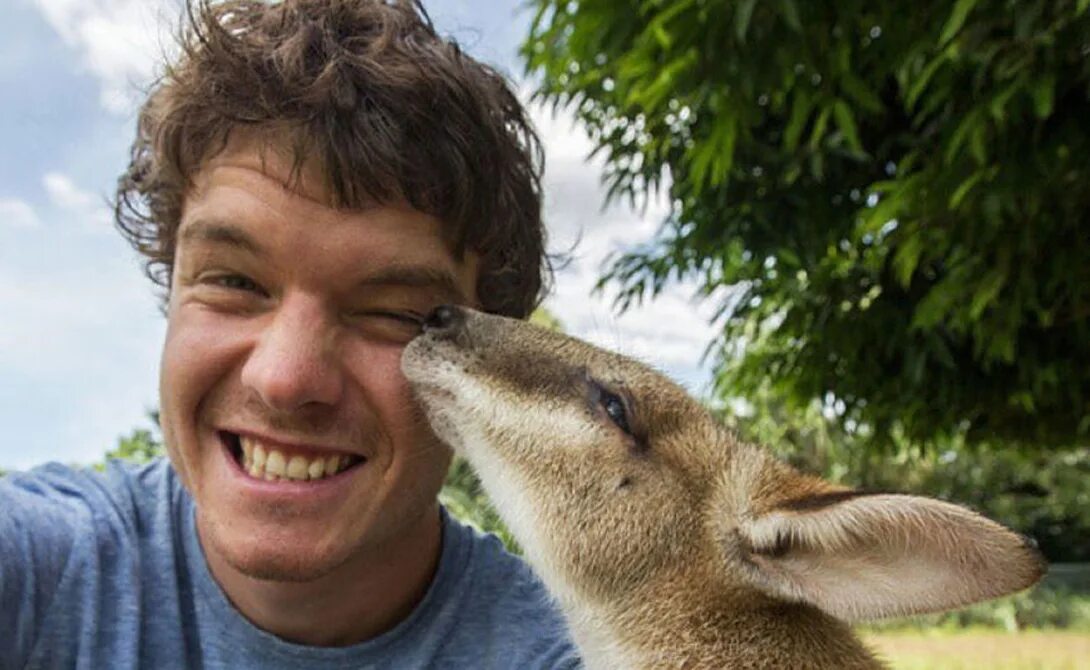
{"x":672,"y":545}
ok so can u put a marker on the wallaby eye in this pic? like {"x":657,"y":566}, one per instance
{"x":617,"y":406}
{"x":615,"y":409}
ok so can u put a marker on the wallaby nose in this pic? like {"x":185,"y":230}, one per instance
{"x":444,"y":320}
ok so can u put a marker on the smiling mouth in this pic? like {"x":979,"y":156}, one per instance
{"x":274,"y":463}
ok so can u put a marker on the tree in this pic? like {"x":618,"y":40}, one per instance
{"x":887,"y":200}
{"x":141,"y":445}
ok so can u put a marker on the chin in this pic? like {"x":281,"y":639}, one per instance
{"x":276,"y":561}
{"x":295,"y":569}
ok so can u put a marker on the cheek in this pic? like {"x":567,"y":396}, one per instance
{"x":416,"y":461}
{"x":376,"y":369}
{"x":198,"y":353}
{"x":199,"y":348}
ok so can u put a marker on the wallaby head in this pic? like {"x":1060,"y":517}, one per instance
{"x":669,"y":543}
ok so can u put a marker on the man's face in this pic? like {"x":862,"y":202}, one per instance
{"x":286,"y":323}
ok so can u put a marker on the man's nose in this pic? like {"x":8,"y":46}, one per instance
{"x":294,"y":363}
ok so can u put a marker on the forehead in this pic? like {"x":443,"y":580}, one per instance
{"x":268,"y":151}
{"x":249,"y":198}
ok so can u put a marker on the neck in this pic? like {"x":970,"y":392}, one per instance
{"x":665,"y":624}
{"x":360,"y":599}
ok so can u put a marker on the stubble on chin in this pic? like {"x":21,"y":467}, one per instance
{"x":264,"y":561}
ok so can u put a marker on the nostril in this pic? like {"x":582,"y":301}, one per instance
{"x":443,"y":318}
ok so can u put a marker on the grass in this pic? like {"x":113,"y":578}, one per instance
{"x":982,"y":649}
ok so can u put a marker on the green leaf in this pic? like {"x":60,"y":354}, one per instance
{"x":957,"y":20}
{"x":998,"y":104}
{"x":1043,"y":91}
{"x":965,"y":187}
{"x":860,"y":94}
{"x":790,"y":12}
{"x":906,"y":258}
{"x":742,"y":17}
{"x":978,"y":144}
{"x":961,"y":134}
{"x":712,"y":160}
{"x":986,"y":292}
{"x":818,"y":133}
{"x":652,"y":96}
{"x":845,"y":121}
{"x":657,"y":25}
{"x":1024,"y":400}
{"x":817,"y":166}
{"x":800,"y":113}
{"x":919,"y":84}
{"x":1081,"y":7}
{"x":934,"y":307}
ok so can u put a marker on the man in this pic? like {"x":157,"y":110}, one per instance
{"x":309,"y":180}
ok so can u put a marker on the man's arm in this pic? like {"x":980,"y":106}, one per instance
{"x":37,"y":529}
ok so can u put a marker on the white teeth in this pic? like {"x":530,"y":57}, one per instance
{"x":332,"y":464}
{"x":261,"y":462}
{"x":275,"y":464}
{"x":297,"y":468}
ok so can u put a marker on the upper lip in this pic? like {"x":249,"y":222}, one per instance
{"x":289,"y":444}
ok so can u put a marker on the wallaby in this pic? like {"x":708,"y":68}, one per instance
{"x":666,"y":541}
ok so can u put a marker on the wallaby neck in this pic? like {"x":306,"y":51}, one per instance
{"x":658,"y":627}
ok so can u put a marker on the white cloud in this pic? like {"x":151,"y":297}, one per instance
{"x":119,"y":42}
{"x":90,"y":211}
{"x":16,"y":213}
{"x":82,"y":353}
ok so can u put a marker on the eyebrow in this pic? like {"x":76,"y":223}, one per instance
{"x":216,"y":232}
{"x":439,"y":280}
{"x":417,"y":276}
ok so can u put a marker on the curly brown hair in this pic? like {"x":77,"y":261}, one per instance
{"x":391,"y":110}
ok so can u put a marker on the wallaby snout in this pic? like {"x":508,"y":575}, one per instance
{"x":666,"y":541}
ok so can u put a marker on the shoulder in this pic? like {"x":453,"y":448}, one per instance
{"x":505,"y":609}
{"x":498,"y":574}
{"x":57,"y":523}
{"x":66,"y":482}
{"x":56,"y":506}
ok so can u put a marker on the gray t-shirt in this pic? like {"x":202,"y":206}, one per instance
{"x":104,"y":570}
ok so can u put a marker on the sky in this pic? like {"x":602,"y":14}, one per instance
{"x":80,"y":325}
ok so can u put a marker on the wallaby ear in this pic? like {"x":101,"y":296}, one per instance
{"x":865,"y":556}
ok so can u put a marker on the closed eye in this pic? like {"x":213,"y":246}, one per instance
{"x":236,"y":282}
{"x":391,"y":325}
{"x":410,"y":318}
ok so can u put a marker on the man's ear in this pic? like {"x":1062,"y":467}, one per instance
{"x":866,"y":556}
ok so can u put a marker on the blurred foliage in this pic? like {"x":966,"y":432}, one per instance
{"x":139,"y":446}
{"x":1039,"y":609}
{"x":464,"y":498}
{"x":1043,"y":494}
{"x":887,"y":200}
{"x":546,"y":319}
